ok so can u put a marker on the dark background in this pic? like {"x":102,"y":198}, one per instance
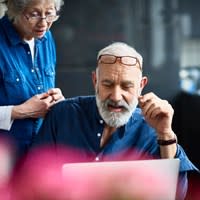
{"x":156,"y":28}
{"x":152,"y":26}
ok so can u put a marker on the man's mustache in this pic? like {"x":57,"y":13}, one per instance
{"x":118,"y":104}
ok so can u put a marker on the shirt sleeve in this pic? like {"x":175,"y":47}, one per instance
{"x":5,"y":117}
{"x":182,"y":186}
{"x":46,"y":133}
{"x":185,"y":163}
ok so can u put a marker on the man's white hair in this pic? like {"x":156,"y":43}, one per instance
{"x":120,"y":49}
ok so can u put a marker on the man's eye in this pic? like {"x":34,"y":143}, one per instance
{"x":107,"y":85}
{"x":127,"y":86}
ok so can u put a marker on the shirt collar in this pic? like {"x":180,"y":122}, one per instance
{"x":97,"y":115}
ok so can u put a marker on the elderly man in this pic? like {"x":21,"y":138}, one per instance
{"x":110,"y":125}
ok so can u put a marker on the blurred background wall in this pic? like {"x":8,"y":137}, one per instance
{"x":165,"y":32}
{"x":153,"y":27}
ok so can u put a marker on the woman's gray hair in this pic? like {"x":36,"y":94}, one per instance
{"x":16,"y":7}
{"x":3,"y":8}
{"x":120,"y":49}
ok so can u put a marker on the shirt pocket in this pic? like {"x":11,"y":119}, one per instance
{"x":49,"y":76}
{"x":15,"y":87}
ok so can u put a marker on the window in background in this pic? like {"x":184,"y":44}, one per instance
{"x":190,"y":66}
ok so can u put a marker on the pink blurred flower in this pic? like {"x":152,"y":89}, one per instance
{"x":40,"y":177}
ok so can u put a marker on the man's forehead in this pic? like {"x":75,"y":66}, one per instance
{"x":119,"y":70}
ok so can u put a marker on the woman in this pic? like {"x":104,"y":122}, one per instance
{"x":27,"y":67}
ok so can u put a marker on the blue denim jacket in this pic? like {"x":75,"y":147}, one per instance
{"x":20,"y":78}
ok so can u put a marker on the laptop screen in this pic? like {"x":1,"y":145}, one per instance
{"x":141,"y":179}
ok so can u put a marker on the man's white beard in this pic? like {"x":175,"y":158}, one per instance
{"x":116,"y":119}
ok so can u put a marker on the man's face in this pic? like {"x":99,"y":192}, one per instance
{"x":117,"y":89}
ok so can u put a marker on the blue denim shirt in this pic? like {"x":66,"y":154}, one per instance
{"x":21,"y":78}
{"x":76,"y":123}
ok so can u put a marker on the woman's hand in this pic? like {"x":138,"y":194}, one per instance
{"x":56,"y":94}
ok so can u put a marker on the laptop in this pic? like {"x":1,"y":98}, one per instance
{"x":141,"y":179}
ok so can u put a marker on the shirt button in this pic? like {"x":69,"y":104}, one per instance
{"x":17,"y":79}
{"x":28,"y":52}
{"x":97,"y":158}
{"x":39,"y":88}
{"x":32,"y":70}
{"x":99,"y":134}
{"x":101,"y":121}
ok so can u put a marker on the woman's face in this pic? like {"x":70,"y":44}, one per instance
{"x":36,"y":19}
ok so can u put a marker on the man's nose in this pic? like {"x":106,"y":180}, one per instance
{"x":116,"y":94}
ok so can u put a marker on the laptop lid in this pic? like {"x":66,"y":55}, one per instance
{"x":141,"y":179}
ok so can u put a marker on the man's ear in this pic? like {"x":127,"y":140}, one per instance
{"x":94,"y":79}
{"x":143,"y":82}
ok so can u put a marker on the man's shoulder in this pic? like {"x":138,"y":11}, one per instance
{"x":80,"y":100}
{"x":76,"y":102}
